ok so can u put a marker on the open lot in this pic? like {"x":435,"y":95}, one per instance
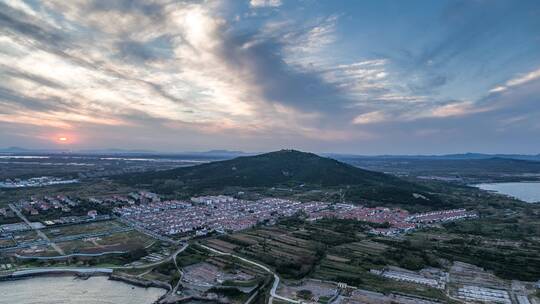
{"x":123,"y":241}
{"x":79,"y":229}
{"x":318,"y":291}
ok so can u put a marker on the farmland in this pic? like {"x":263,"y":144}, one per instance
{"x":342,"y":251}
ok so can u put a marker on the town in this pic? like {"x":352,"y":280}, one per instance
{"x":227,"y":214}
{"x":181,"y":220}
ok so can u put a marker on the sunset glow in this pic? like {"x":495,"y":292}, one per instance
{"x":253,"y":75}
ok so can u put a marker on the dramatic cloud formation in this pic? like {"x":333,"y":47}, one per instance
{"x":364,"y":77}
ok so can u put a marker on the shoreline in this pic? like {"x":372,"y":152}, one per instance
{"x":512,"y":196}
{"x":83,"y":274}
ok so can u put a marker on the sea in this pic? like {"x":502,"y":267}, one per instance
{"x":526,"y":191}
{"x":71,"y":290}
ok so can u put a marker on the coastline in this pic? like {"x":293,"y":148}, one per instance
{"x":535,"y":199}
{"x":84,"y":273}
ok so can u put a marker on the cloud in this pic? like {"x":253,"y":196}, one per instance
{"x":185,"y":65}
{"x":265,"y":3}
{"x":137,"y":51}
{"x":516,"y":81}
{"x":17,"y":22}
{"x":369,"y":118}
{"x":455,"y":109}
{"x":196,"y":74}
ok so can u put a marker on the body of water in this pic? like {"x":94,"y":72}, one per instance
{"x":525,"y":191}
{"x":69,"y":290}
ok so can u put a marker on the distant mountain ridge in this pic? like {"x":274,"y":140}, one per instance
{"x":210,"y":153}
{"x":235,"y":153}
{"x":462,"y":156}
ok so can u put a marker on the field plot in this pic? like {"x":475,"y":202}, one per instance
{"x":291,"y":256}
{"x":222,"y":245}
{"x":7,"y":242}
{"x":462,"y":274}
{"x":330,"y":250}
{"x":80,"y":229}
{"x":25,"y":236}
{"x":122,"y":241}
{"x":38,"y":251}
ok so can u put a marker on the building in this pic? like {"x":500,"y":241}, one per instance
{"x":482,"y":294}
{"x":92,"y":214}
{"x":209,"y":200}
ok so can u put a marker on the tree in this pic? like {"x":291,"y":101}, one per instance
{"x":305,"y":294}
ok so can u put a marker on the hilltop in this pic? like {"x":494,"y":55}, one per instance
{"x":272,"y":169}
{"x":285,"y":168}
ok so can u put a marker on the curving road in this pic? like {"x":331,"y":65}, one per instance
{"x":178,"y":268}
{"x":99,"y":269}
{"x":275,"y":285}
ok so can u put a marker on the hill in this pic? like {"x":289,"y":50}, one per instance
{"x":285,"y":168}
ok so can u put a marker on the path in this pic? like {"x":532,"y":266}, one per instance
{"x":178,"y":268}
{"x":275,"y":285}
{"x":39,"y":233}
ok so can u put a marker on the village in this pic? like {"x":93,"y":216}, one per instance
{"x":70,"y":227}
{"x":204,"y":214}
{"x":226,"y":214}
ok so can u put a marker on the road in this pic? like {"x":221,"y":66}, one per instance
{"x":172,"y":256}
{"x":34,"y":271}
{"x":275,"y":285}
{"x":39,"y":233}
{"x":178,"y":268}
{"x":101,"y":269}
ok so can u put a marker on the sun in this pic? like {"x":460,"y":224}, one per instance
{"x":63,"y":139}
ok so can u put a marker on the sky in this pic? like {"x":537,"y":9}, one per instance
{"x":363,"y":77}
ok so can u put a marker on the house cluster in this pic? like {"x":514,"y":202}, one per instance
{"x":209,"y":200}
{"x":441,"y":216}
{"x":398,"y":220}
{"x":36,"y":182}
{"x":223,"y":214}
{"x":139,"y":197}
{"x":36,"y":205}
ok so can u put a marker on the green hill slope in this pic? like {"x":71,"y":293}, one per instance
{"x":288,"y":168}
